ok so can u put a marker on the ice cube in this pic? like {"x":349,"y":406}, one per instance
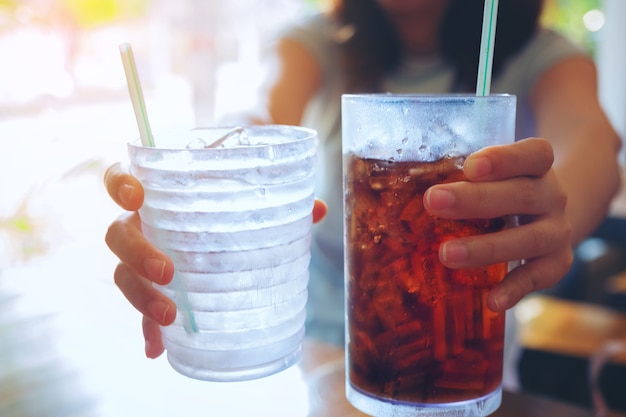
{"x":237,"y":136}
{"x":464,"y":372}
{"x":439,"y":326}
{"x":386,"y":301}
{"x":405,"y":346}
{"x":411,"y":212}
{"x":197,"y":143}
{"x":404,"y":386}
{"x":363,"y":352}
{"x":407,"y":278}
{"x":460,"y":320}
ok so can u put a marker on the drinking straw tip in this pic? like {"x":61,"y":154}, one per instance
{"x":483,"y":81}
{"x":136,"y":94}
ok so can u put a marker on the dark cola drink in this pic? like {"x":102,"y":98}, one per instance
{"x":418,"y":331}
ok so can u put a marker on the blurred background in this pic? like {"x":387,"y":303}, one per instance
{"x":70,"y":345}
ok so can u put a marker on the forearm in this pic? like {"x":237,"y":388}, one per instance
{"x":585,"y":145}
{"x":588,"y":170}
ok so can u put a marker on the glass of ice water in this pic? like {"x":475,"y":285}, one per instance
{"x":233,"y":209}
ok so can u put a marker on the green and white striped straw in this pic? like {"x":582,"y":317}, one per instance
{"x":488,"y":40}
{"x":147,"y":140}
{"x":136,"y":95}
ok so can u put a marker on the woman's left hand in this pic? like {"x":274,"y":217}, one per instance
{"x":516,"y":179}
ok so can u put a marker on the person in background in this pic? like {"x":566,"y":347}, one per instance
{"x":559,"y":176}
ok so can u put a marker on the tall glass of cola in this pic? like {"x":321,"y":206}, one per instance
{"x":420,"y":339}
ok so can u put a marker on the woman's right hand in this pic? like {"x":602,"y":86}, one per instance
{"x":141,"y":264}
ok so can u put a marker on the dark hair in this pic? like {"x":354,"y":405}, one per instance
{"x":370,"y":54}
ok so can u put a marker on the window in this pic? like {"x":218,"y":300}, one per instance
{"x":69,"y":343}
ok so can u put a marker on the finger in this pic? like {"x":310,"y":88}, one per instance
{"x":123,"y":188}
{"x":319,"y":210}
{"x":527,"y":157}
{"x":529,"y":277}
{"x":520,"y":195}
{"x":152,"y":335}
{"x":126,"y":240}
{"x":544,"y":236}
{"x":143,"y":296}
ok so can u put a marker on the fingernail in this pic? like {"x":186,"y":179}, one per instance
{"x":125,"y":193}
{"x":454,"y":252}
{"x":477,"y":167}
{"x":158,"y":310}
{"x":500,"y":302}
{"x":439,"y":198}
{"x":154,"y":269}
